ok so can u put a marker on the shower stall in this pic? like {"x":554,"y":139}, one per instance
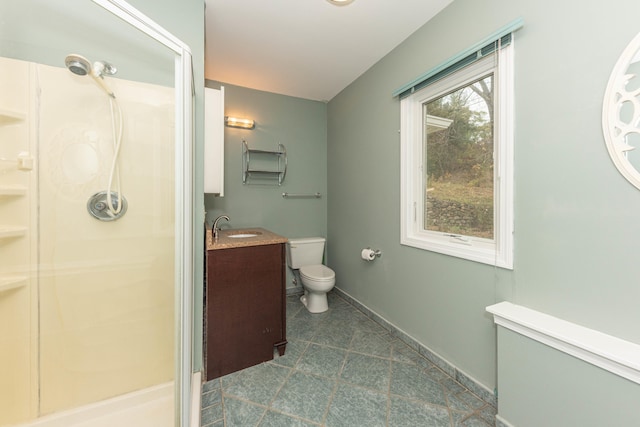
{"x":95,"y":217}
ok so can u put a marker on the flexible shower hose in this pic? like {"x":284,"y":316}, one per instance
{"x":116,"y":128}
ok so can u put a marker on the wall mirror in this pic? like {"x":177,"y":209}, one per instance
{"x":621,"y":113}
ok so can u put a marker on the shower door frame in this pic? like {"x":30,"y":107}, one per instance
{"x":184,"y":232}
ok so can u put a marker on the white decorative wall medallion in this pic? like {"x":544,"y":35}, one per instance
{"x":621,"y":113}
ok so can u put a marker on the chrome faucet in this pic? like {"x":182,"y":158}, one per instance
{"x":215,"y":228}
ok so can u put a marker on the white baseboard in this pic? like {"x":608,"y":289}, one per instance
{"x":501,"y":422}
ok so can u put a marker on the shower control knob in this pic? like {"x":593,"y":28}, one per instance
{"x":98,"y":206}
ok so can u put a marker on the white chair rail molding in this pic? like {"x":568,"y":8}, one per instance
{"x":605,"y":351}
{"x":556,"y":373}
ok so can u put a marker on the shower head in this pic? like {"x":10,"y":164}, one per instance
{"x":81,"y":66}
{"x":78,"y":64}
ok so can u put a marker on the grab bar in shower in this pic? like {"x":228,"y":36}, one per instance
{"x":295,"y":195}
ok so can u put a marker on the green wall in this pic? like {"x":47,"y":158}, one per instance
{"x":541,"y":386}
{"x":576,"y":223}
{"x":301,"y":126}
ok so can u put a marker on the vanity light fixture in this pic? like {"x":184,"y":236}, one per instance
{"x":340,"y":2}
{"x":235,"y":122}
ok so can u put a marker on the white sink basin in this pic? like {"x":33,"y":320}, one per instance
{"x":243,"y":235}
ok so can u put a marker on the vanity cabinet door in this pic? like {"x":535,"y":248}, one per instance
{"x":245,"y":307}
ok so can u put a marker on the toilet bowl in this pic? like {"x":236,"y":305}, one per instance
{"x":305,"y":255}
{"x":317,"y":280}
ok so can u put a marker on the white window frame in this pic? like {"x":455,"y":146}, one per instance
{"x":499,"y":251}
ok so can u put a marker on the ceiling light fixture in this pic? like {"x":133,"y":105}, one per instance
{"x":340,"y":2}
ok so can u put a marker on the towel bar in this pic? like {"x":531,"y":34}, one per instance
{"x":294,"y":195}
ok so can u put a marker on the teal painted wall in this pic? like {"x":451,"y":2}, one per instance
{"x":541,"y":386}
{"x":576,"y":223}
{"x":299,"y":124}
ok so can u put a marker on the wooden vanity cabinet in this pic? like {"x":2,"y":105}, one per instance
{"x":245,"y":307}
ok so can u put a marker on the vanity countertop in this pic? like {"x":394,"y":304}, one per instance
{"x":224,"y":241}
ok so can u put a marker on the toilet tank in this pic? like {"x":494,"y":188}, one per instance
{"x":305,"y":251}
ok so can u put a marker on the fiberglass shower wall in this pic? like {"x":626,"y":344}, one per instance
{"x":86,"y":306}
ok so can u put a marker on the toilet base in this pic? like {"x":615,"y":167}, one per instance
{"x":315,"y":302}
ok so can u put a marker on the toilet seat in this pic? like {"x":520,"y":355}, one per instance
{"x":319,"y":273}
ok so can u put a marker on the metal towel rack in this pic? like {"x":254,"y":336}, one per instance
{"x":295,"y":195}
{"x":263,"y":173}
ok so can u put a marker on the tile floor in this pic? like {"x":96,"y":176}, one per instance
{"x":341,"y":369}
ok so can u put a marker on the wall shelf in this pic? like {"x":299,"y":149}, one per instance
{"x":12,"y":190}
{"x":12,"y":282}
{"x":12,"y":231}
{"x":9,"y":117}
{"x":259,"y":164}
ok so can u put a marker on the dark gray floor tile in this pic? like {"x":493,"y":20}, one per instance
{"x":367,"y":371}
{"x":458,"y":417}
{"x":212,"y":397}
{"x":334,"y":300}
{"x":436,"y":374}
{"x":404,"y":412}
{"x":210,"y":385}
{"x":292,"y":353}
{"x":372,"y":344}
{"x":458,"y":404}
{"x":473,"y":421}
{"x":259,"y":383}
{"x":410,"y":381}
{"x":488,"y":413}
{"x":305,"y":396}
{"x":355,"y":406}
{"x":342,"y":369}
{"x":238,"y":413}
{"x":322,"y":360}
{"x":211,"y":414}
{"x":333,"y":335}
{"x":304,"y":325}
{"x":365,"y":324}
{"x":453,"y":386}
{"x":229,"y":379}
{"x":344,"y":316}
{"x":313,"y":318}
{"x":276,"y":419}
{"x":401,"y":352}
{"x":471,"y":400}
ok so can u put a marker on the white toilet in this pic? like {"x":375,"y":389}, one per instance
{"x":306,"y":255}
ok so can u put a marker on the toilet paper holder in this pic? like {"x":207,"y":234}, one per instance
{"x":369,"y":254}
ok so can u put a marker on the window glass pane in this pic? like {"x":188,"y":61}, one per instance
{"x":458,"y":147}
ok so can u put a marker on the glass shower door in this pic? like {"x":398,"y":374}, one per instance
{"x":88,"y":307}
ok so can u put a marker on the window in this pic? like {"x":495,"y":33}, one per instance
{"x":457,"y":160}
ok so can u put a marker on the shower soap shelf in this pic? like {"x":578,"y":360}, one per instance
{"x":12,"y":190}
{"x":260,"y":164}
{"x":12,"y":282}
{"x":11,"y":231}
{"x":9,"y":117}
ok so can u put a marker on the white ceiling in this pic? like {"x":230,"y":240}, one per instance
{"x":305,"y":48}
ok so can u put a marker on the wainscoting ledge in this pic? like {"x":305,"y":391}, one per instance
{"x":613,"y":354}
